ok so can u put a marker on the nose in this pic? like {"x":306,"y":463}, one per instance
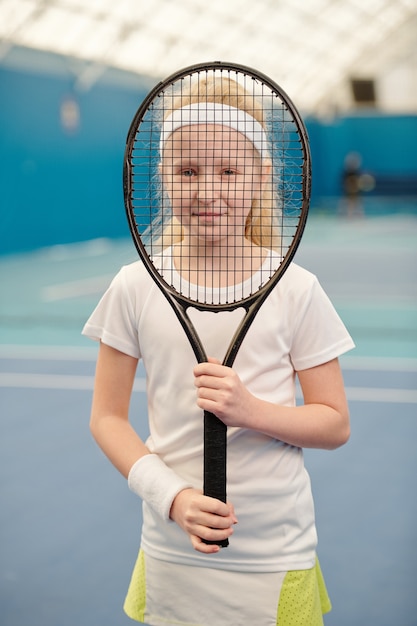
{"x":208,"y":190}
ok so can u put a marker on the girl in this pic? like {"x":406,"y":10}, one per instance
{"x":216,"y":174}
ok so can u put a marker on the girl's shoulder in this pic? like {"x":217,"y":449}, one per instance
{"x":136,"y":270}
{"x":298,"y":278}
{"x":300,"y":272}
{"x":133,"y":272}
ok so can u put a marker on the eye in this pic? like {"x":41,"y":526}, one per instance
{"x":229,"y":172}
{"x":188,"y":173}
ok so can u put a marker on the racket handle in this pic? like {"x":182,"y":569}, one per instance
{"x":215,"y":462}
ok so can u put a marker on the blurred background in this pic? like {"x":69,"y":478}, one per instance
{"x":72,"y":75}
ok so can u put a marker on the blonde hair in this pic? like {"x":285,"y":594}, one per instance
{"x":262,"y":222}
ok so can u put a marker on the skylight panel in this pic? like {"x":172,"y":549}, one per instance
{"x":13,"y":16}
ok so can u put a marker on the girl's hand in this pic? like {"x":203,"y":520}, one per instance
{"x":321,"y":422}
{"x":202,"y":517}
{"x":220,"y":391}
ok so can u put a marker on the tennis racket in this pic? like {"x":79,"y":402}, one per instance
{"x":216,"y":135}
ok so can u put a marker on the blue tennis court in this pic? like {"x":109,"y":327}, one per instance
{"x":69,"y":526}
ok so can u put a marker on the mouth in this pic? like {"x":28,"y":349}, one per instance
{"x":208,"y":214}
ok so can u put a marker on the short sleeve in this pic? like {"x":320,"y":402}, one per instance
{"x":319,"y":334}
{"x":113,"y":321}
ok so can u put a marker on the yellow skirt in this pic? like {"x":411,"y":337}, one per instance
{"x":167,"y":594}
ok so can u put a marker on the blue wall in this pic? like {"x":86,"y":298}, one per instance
{"x":56,"y":186}
{"x":59,"y":187}
{"x":387,"y":144}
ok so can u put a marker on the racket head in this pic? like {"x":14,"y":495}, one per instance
{"x":157,"y":208}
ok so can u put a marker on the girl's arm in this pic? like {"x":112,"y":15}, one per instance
{"x":109,"y":423}
{"x":321,"y":422}
{"x":198,"y":515}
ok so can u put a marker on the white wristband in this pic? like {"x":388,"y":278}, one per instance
{"x":154,"y":482}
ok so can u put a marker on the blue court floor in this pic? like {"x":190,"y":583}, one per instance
{"x":69,"y":527}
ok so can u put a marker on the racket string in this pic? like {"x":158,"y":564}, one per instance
{"x":160,"y":230}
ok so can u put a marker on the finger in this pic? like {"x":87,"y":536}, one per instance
{"x":213,"y":360}
{"x":211,"y":382}
{"x":217,"y":522}
{"x":211,"y":369}
{"x":212,"y":535}
{"x":212,"y":394}
{"x":205,"y":548}
{"x":217,"y":507}
{"x":232,"y":513}
{"x":209,"y":406}
{"x":217,"y":514}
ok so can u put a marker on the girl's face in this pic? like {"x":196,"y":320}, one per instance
{"x":212,"y":174}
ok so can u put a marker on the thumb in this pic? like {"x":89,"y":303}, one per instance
{"x":211,"y":359}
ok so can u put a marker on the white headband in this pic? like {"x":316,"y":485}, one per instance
{"x":214,"y":113}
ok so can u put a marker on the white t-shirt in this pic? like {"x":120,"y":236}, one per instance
{"x":296,"y":328}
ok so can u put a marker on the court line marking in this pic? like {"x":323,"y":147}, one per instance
{"x":76,"y":288}
{"x":383,"y":395}
{"x":66,"y":382}
{"x":379,"y":364}
{"x":79,"y":353}
{"x":49,"y":353}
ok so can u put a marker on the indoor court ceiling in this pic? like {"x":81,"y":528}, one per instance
{"x":312,"y":48}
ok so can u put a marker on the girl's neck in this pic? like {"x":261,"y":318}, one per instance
{"x":214,"y":266}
